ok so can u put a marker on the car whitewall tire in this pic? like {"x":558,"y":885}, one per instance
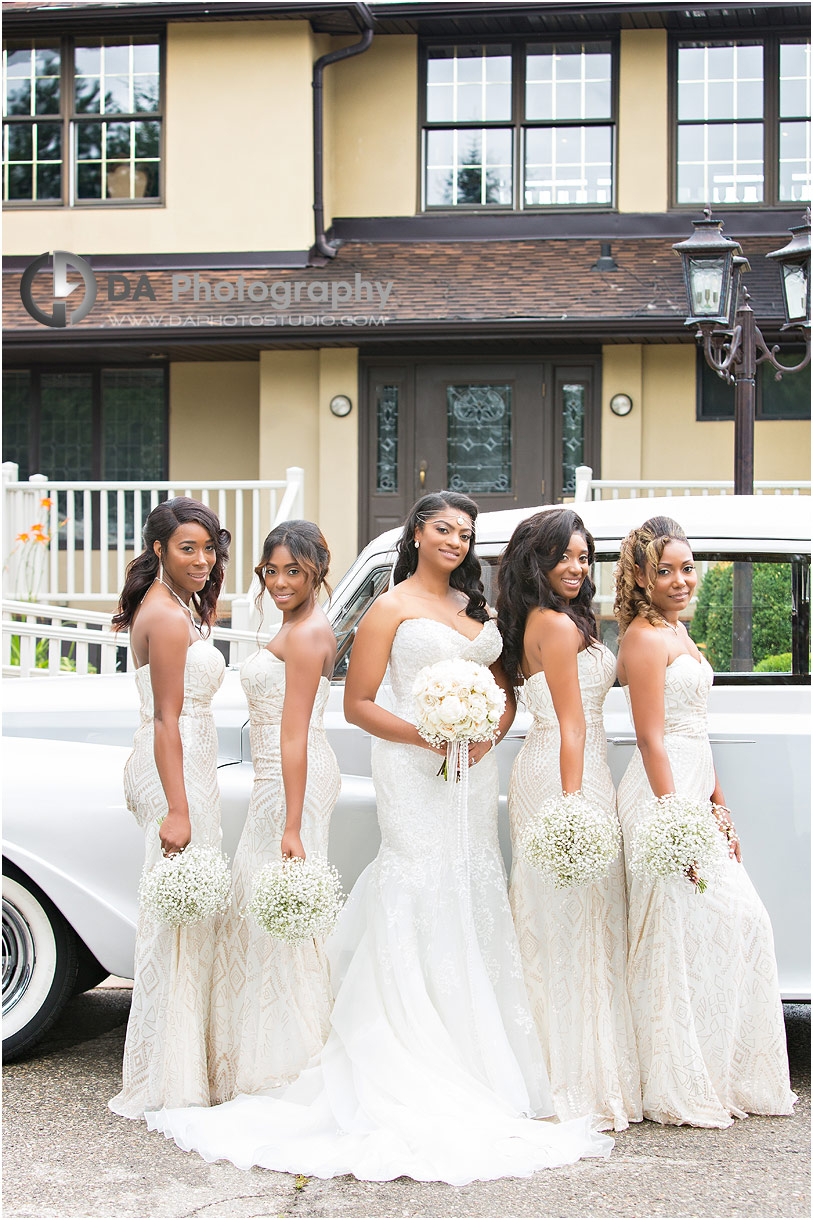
{"x":39,"y":962}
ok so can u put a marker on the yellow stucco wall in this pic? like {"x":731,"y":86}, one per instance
{"x":662,"y":439}
{"x":297,"y":429}
{"x":214,"y":420}
{"x":642,"y":122}
{"x":621,"y":373}
{"x":238,"y":152}
{"x":372,"y":130}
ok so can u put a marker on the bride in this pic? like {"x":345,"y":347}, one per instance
{"x":432,"y":1068}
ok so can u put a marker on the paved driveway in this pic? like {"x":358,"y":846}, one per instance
{"x":66,"y":1154}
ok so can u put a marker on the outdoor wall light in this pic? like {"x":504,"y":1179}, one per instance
{"x":621,"y":404}
{"x":341,"y":405}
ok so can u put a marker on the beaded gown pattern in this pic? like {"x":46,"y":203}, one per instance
{"x":165,"y":1059}
{"x":432,"y":1064}
{"x":271,"y":1000}
{"x":702,"y":976}
{"x":574,"y":942}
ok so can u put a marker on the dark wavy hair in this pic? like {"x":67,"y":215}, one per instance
{"x":307,"y":545}
{"x":161,"y":524}
{"x":466,"y":576}
{"x":536,"y":546}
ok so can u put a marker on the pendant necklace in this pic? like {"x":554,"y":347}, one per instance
{"x":180,"y":602}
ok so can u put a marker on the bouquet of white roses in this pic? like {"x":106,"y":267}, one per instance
{"x":457,"y":701}
{"x":294,"y":899}
{"x":187,"y":887}
{"x":570,"y":842}
{"x":677,"y":837}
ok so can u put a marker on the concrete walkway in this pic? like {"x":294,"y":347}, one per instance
{"x":66,"y":1154}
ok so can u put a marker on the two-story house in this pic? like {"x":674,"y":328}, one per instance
{"x":444,"y":259}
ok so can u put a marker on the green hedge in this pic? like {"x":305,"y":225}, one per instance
{"x":771,"y":598}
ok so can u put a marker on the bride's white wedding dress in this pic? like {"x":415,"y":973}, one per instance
{"x":432,"y":1068}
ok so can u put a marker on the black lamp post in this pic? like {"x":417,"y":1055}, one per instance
{"x":713,"y":267}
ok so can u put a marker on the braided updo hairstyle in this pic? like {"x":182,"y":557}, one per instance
{"x":642,"y":547}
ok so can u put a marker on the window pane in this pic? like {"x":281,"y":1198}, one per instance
{"x":32,"y":161}
{"x":785,"y":399}
{"x":478,"y":438}
{"x":31,"y":79}
{"x":122,"y":157}
{"x":471,"y":167}
{"x":568,"y":165}
{"x":386,"y":463}
{"x":720,"y":82}
{"x":468,"y":84}
{"x":66,"y":425}
{"x":564,"y":81}
{"x":788,"y":398}
{"x":721,"y":163}
{"x":794,"y":80}
{"x":134,"y":418}
{"x":742,"y":615}
{"x":794,"y":161}
{"x":16,"y":415}
{"x":113,"y":77}
{"x":573,"y":400}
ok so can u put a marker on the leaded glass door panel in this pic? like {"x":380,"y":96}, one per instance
{"x":482,"y":429}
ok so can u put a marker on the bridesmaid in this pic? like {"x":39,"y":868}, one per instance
{"x":171,"y":778}
{"x":272,"y":1001}
{"x":702,"y":973}
{"x":573,"y":942}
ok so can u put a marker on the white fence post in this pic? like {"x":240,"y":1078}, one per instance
{"x":26,"y":560}
{"x":584,"y":477}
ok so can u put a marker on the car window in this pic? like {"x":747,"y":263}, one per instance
{"x":345,"y":626}
{"x":750,"y":616}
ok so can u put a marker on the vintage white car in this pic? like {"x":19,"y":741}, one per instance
{"x":72,"y":854}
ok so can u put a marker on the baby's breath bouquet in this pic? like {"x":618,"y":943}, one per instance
{"x":295,"y":900}
{"x":677,"y":837}
{"x":570,"y":842}
{"x":187,"y":887}
{"x":457,"y":701}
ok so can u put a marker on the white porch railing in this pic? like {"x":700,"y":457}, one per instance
{"x":81,"y":535}
{"x":35,"y":635}
{"x":588,"y":488}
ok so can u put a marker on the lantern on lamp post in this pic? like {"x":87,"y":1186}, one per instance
{"x":718,"y":305}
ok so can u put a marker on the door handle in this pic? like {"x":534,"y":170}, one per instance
{"x":422,"y":474}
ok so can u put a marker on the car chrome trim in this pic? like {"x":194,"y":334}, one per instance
{"x":19,"y":956}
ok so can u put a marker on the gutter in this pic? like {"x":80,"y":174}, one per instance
{"x":321,"y":244}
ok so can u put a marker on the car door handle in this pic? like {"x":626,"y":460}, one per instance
{"x":732,"y":741}
{"x":622,"y":741}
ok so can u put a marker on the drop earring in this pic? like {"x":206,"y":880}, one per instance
{"x":417,"y":544}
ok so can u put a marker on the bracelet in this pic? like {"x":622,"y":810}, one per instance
{"x":726,"y":823}
{"x":578,"y":792}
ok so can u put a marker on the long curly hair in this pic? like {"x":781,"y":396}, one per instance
{"x":161,"y":524}
{"x":642,"y":547}
{"x":535,"y":548}
{"x":308,"y":547}
{"x":466,"y":577}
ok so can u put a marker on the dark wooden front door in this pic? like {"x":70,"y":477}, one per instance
{"x":507,"y":433}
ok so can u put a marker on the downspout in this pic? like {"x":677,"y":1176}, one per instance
{"x":321,"y":243}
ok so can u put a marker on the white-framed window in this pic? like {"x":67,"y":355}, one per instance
{"x":742,"y":132}
{"x":82,"y":120}
{"x":518,"y":125}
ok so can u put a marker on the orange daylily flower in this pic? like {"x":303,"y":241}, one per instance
{"x":22,"y":538}
{"x":46,"y":502}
